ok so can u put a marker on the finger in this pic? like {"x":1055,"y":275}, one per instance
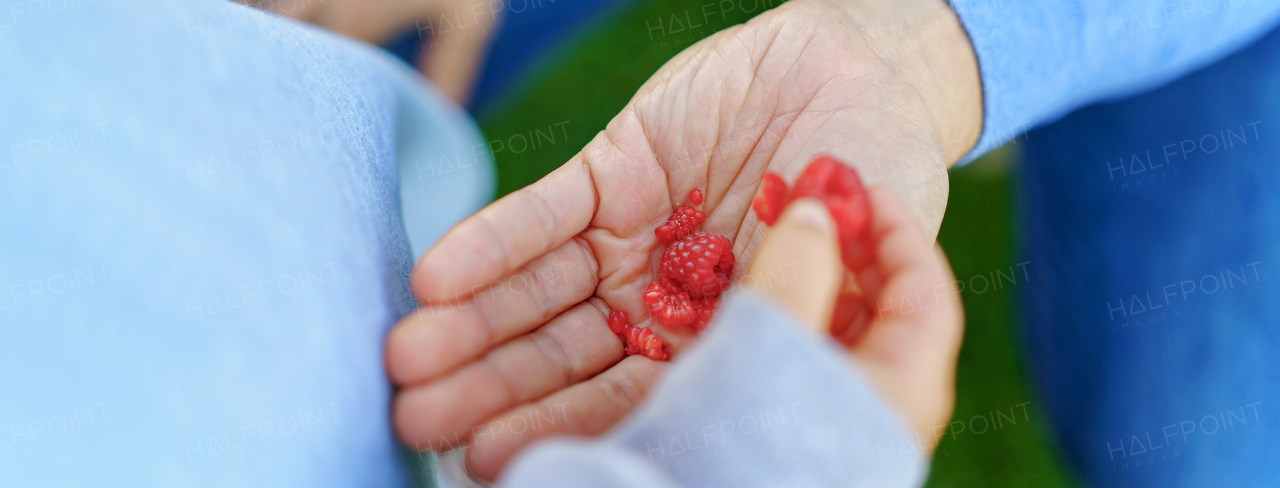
{"x":910,"y":348}
{"x":900,"y":243}
{"x":911,"y":356}
{"x":437,"y":338}
{"x":798,"y":266}
{"x":912,"y":282}
{"x":587,"y":408}
{"x":452,"y":55}
{"x":893,"y":243}
{"x":918,"y":318}
{"x":569,"y":349}
{"x":504,"y":236}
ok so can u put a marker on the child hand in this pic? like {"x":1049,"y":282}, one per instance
{"x":907,"y":318}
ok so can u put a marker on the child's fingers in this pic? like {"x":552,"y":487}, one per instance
{"x":893,"y":243}
{"x":798,"y":266}
{"x":910,"y":348}
{"x":899,"y":243}
{"x":912,"y":285}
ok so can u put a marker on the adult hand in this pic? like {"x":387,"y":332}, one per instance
{"x":514,"y":298}
{"x":455,"y":32}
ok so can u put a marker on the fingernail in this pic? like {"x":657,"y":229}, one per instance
{"x":810,"y":213}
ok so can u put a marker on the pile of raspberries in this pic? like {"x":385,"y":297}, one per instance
{"x":696,"y":266}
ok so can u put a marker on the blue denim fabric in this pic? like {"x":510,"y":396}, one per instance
{"x":1151,"y":224}
{"x":1152,"y":227}
{"x":201,"y":244}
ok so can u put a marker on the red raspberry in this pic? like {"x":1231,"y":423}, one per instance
{"x":643,"y":341}
{"x":706,"y":307}
{"x":701,"y":263}
{"x":669,"y":303}
{"x":636,"y":340}
{"x":618,"y":321}
{"x":837,"y":186}
{"x":695,"y":196}
{"x":772,"y":199}
{"x":850,"y":312}
{"x":695,"y":269}
{"x":680,"y":224}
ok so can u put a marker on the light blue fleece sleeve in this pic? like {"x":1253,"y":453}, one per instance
{"x":202,"y":245}
{"x":759,"y":403}
{"x":1042,"y":59}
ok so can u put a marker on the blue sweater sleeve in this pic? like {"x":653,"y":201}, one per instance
{"x":1042,"y":59}
{"x":759,"y":403}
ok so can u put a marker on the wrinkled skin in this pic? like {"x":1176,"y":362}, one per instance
{"x":768,"y":95}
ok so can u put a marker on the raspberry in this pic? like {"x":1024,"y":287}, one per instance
{"x":644,"y":342}
{"x":669,"y":303}
{"x":695,"y":196}
{"x":700,"y":263}
{"x":680,"y":224}
{"x":683,"y":220}
{"x":849,"y":313}
{"x":772,"y":199}
{"x":695,"y":269}
{"x":636,"y":340}
{"x":837,"y":186}
{"x":618,"y":321}
{"x":706,"y":307}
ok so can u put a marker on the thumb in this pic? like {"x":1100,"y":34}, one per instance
{"x":799,"y":266}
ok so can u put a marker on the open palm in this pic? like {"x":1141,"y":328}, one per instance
{"x":511,"y":344}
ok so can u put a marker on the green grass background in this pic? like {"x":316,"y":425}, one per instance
{"x":576,"y":88}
